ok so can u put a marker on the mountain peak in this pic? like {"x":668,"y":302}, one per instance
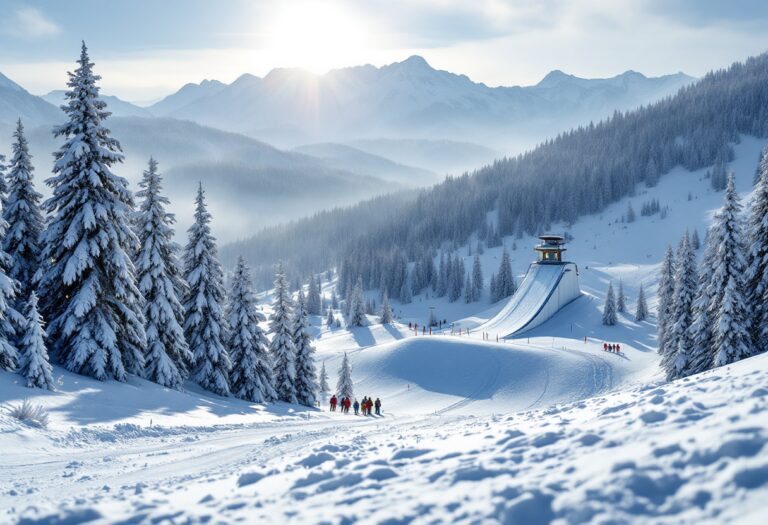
{"x":7,"y":83}
{"x":555,"y":77}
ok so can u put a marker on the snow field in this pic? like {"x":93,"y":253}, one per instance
{"x":691,"y":451}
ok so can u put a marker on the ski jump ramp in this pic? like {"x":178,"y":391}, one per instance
{"x":546,"y":288}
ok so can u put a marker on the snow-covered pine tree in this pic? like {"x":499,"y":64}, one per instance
{"x":386,"y":311}
{"x":334,"y":300}
{"x":477,"y":277}
{"x":695,"y":241}
{"x":344,"y":386}
{"x":3,"y":184}
{"x":621,"y":305}
{"x":406,"y":294}
{"x":88,"y":287}
{"x":469,"y":292}
{"x":680,"y":338}
{"x":609,"y":310}
{"x":251,"y":376}
{"x":21,"y":210}
{"x":325,"y":389}
{"x":161,"y":285}
{"x":281,"y":346}
{"x":357,"y":307}
{"x":33,"y":362}
{"x":666,"y":291}
{"x":700,"y":356}
{"x":204,"y":323}
{"x":630,"y":214}
{"x":442,"y":276}
{"x":641,"y":313}
{"x":731,"y":334}
{"x":313,"y":298}
{"x":329,"y":320}
{"x":494,"y":291}
{"x":757,"y":258}
{"x":505,"y":280}
{"x":306,"y":374}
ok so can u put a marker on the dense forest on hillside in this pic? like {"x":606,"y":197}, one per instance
{"x":577,"y":173}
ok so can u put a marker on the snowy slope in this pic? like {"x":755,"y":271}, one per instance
{"x":688,"y":452}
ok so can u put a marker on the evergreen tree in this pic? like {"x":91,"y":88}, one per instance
{"x":34,"y":365}
{"x":88,"y":286}
{"x":334,"y":300}
{"x":386,"y":311}
{"x":477,"y":278}
{"x":731,"y":336}
{"x":505,"y":280}
{"x":281,"y":347}
{"x":757,"y":258}
{"x":469,"y":292}
{"x":493,"y":289}
{"x":204,"y":323}
{"x":630,"y":214}
{"x":641,"y":314}
{"x":21,"y":210}
{"x":314,"y":306}
{"x":161,"y":285}
{"x":3,"y":185}
{"x":680,"y":338}
{"x":700,"y":356}
{"x":406,"y":293}
{"x":621,"y":306}
{"x":251,"y":376}
{"x":344,"y":385}
{"x":305,"y":382}
{"x":329,"y":319}
{"x":666,"y":291}
{"x":609,"y":310}
{"x":695,"y":242}
{"x":357,"y":307}
{"x":325,"y":389}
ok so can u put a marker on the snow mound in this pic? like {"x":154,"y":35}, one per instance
{"x":446,"y":374}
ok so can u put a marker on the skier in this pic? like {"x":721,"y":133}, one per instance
{"x":618,"y":348}
{"x":333,"y":403}
{"x":363,"y":404}
{"x":605,"y":347}
{"x":347,"y":404}
{"x":370,"y":405}
{"x":377,"y":404}
{"x":356,"y":406}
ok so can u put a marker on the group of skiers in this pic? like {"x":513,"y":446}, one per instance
{"x":365,"y":407}
{"x":614,"y":348}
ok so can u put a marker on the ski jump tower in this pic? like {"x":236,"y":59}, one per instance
{"x":550,"y":284}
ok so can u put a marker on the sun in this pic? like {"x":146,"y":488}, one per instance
{"x":314,"y":35}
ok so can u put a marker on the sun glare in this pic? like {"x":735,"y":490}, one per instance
{"x":314,"y":35}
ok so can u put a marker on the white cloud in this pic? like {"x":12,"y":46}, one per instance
{"x":29,"y":22}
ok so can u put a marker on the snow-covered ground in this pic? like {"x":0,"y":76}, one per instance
{"x":540,"y":428}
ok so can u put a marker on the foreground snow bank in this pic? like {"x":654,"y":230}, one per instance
{"x":693,"y":451}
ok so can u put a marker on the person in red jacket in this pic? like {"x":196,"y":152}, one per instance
{"x":605,"y":347}
{"x":618,"y":348}
{"x":347,"y":404}
{"x":333,"y":403}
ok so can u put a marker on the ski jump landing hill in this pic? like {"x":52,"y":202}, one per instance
{"x":549,"y":285}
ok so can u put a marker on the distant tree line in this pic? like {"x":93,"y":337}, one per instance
{"x":574,"y":174}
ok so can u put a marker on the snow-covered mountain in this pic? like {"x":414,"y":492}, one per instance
{"x":341,"y":156}
{"x":248,"y":182}
{"x":16,"y":102}
{"x":410,"y":99}
{"x":117,"y":106}
{"x":188,"y":94}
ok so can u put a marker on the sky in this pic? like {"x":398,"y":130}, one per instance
{"x":146,"y":49}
